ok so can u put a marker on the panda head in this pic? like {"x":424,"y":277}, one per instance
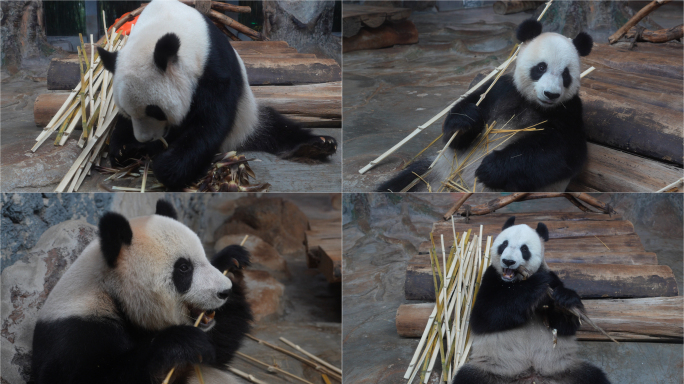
{"x":157,"y":270}
{"x":548,"y":66}
{"x":518,"y":246}
{"x":157,"y":71}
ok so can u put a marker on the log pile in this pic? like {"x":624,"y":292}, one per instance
{"x":370,"y":27}
{"x":313,"y":97}
{"x":600,"y":256}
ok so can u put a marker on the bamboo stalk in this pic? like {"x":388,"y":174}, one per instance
{"x":670,"y":186}
{"x":310,"y":363}
{"x":311,"y":355}
{"x":246,"y":376}
{"x":270,"y":368}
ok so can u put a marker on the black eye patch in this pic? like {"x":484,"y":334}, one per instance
{"x":537,"y":71}
{"x":182,"y":275}
{"x":502,"y":247}
{"x":525,"y":252}
{"x":155,"y":112}
{"x":567,"y":79}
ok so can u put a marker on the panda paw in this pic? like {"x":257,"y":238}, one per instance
{"x":231,"y":258}
{"x":127,"y":153}
{"x":179,"y":345}
{"x":465,"y":119}
{"x":491,"y":174}
{"x":567,"y":298}
{"x":317,"y":148}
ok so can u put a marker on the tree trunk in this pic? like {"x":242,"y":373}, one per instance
{"x":23,"y":32}
{"x":305,"y":25}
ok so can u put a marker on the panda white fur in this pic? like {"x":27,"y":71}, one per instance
{"x":513,"y":319}
{"x":179,"y":78}
{"x":124,"y":311}
{"x":543,"y":88}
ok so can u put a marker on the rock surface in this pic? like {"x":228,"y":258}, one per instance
{"x":264,"y":256}
{"x":25,"y":286}
{"x":276,"y":221}
{"x":264,"y":294}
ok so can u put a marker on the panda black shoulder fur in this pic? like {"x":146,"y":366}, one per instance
{"x":543,"y":88}
{"x":513,"y":318}
{"x":124,"y":311}
{"x":179,"y":78}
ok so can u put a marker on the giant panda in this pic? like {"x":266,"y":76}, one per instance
{"x":514,"y":318}
{"x":543,"y":88}
{"x":124,"y":311}
{"x":179,"y":78}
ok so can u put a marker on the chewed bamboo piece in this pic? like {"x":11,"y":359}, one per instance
{"x":447,"y":334}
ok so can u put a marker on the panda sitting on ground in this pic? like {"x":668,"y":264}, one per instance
{"x":543,"y":88}
{"x":178,"y":78}
{"x":514,"y":318}
{"x":124,"y":311}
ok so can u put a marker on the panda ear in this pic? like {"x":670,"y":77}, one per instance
{"x":108,"y":58}
{"x":528,"y":30}
{"x":583,"y":42}
{"x":115,"y":232}
{"x":166,"y":50}
{"x":509,"y":223}
{"x":164,"y":208}
{"x":542,"y":231}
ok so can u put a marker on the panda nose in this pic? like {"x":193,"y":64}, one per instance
{"x":551,"y":96}
{"x":223,"y":294}
{"x":508,"y":262}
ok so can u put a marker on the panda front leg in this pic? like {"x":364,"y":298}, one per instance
{"x":281,"y":136}
{"x":582,"y":373}
{"x":177,"y":347}
{"x":125,"y":149}
{"x":467,"y":119}
{"x":234,"y":317}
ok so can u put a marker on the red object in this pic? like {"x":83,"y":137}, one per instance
{"x":125,"y":29}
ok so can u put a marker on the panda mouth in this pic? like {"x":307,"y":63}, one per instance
{"x":207,"y":320}
{"x":508,"y":274}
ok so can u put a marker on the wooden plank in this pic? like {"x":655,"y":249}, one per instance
{"x":649,"y":319}
{"x":648,"y":123}
{"x":324,"y":244}
{"x":238,"y":45}
{"x":578,"y":246}
{"x":589,"y":280}
{"x":535,"y":217}
{"x":312,"y":105}
{"x":616,"y":171}
{"x":557,"y":229}
{"x":275,"y":71}
{"x":666,"y":63}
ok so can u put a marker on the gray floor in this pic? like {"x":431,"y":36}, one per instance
{"x":383,"y":231}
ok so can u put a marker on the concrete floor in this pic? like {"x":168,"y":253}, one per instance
{"x":24,"y":171}
{"x":383,"y":231}
{"x":389,"y":92}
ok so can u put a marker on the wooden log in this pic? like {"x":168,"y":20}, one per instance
{"x":665,"y":62}
{"x":656,"y":319}
{"x":508,"y":7}
{"x":589,"y":280}
{"x":495,"y":204}
{"x":652,"y":6}
{"x":500,"y":218}
{"x":387,"y":35}
{"x":252,"y":34}
{"x":224,"y":7}
{"x":557,"y":229}
{"x":616,"y":171}
{"x":659,"y":36}
{"x":63,"y":73}
{"x":354,"y":16}
{"x":324,"y":248}
{"x":269,"y":71}
{"x":456,"y":206}
{"x":312,"y":105}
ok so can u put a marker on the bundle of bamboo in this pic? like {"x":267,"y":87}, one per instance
{"x":447,"y":332}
